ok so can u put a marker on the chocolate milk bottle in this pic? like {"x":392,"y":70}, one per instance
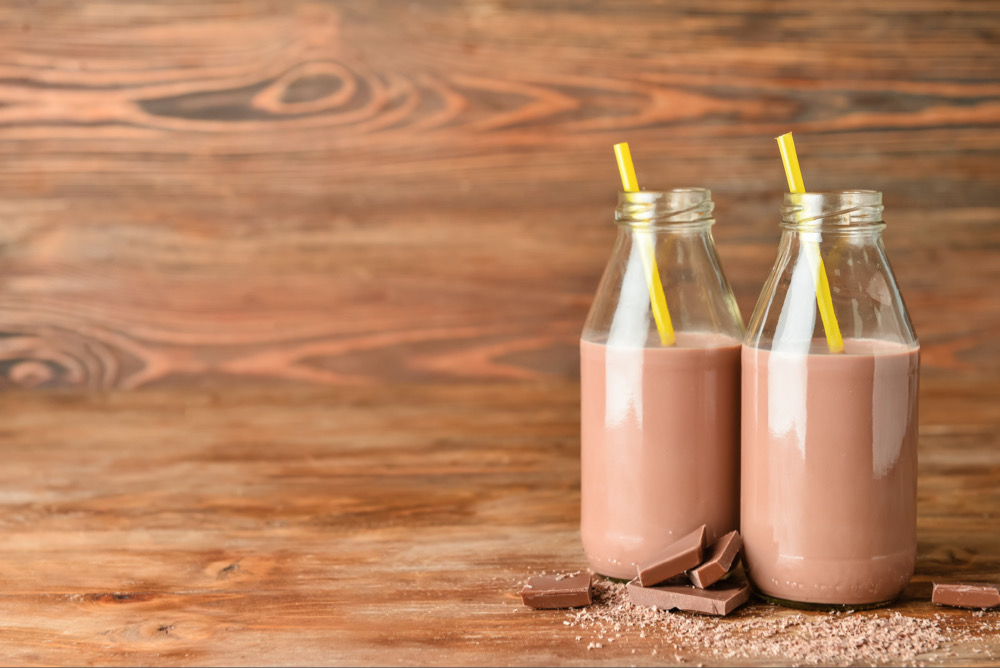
{"x":660,"y":418}
{"x":829,"y":447}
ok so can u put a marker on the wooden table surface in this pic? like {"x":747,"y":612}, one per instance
{"x":376,"y":526}
{"x":290,"y":295}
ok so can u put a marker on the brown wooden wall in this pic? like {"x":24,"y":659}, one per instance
{"x":221,"y":191}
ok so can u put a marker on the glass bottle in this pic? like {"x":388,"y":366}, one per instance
{"x":829,"y":447}
{"x":660,"y":419}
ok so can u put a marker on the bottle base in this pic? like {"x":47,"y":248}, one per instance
{"x":823,"y":607}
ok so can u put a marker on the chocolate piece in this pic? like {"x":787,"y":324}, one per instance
{"x":967,"y":595}
{"x":720,"y":600}
{"x":720,"y":559}
{"x":570,"y":590}
{"x":680,"y":556}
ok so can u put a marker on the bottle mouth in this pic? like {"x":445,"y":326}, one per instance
{"x":832,"y":210}
{"x":677,"y":208}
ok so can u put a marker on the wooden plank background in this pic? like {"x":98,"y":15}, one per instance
{"x":233,"y":191}
{"x":344,"y":251}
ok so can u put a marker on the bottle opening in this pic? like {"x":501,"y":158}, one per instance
{"x":679,"y":207}
{"x":835,"y":209}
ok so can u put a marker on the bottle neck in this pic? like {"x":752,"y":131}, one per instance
{"x":664,"y":275}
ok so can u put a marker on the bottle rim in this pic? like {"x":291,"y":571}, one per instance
{"x":833,"y":210}
{"x":677,"y":208}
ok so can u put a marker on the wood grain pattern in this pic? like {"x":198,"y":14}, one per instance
{"x":345,"y":249}
{"x":363,"y":526}
{"x":365,"y":192}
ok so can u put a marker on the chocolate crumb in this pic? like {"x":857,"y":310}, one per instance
{"x":876,"y":637}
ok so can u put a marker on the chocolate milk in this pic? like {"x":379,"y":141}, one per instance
{"x":829,"y":458}
{"x":659,"y":447}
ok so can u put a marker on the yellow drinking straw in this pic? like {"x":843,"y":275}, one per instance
{"x":834,"y":341}
{"x":647,"y":252}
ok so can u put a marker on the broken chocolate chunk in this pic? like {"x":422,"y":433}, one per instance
{"x":678,"y":557}
{"x":967,"y":595}
{"x":720,"y":559}
{"x":570,"y":590}
{"x":720,"y":600}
